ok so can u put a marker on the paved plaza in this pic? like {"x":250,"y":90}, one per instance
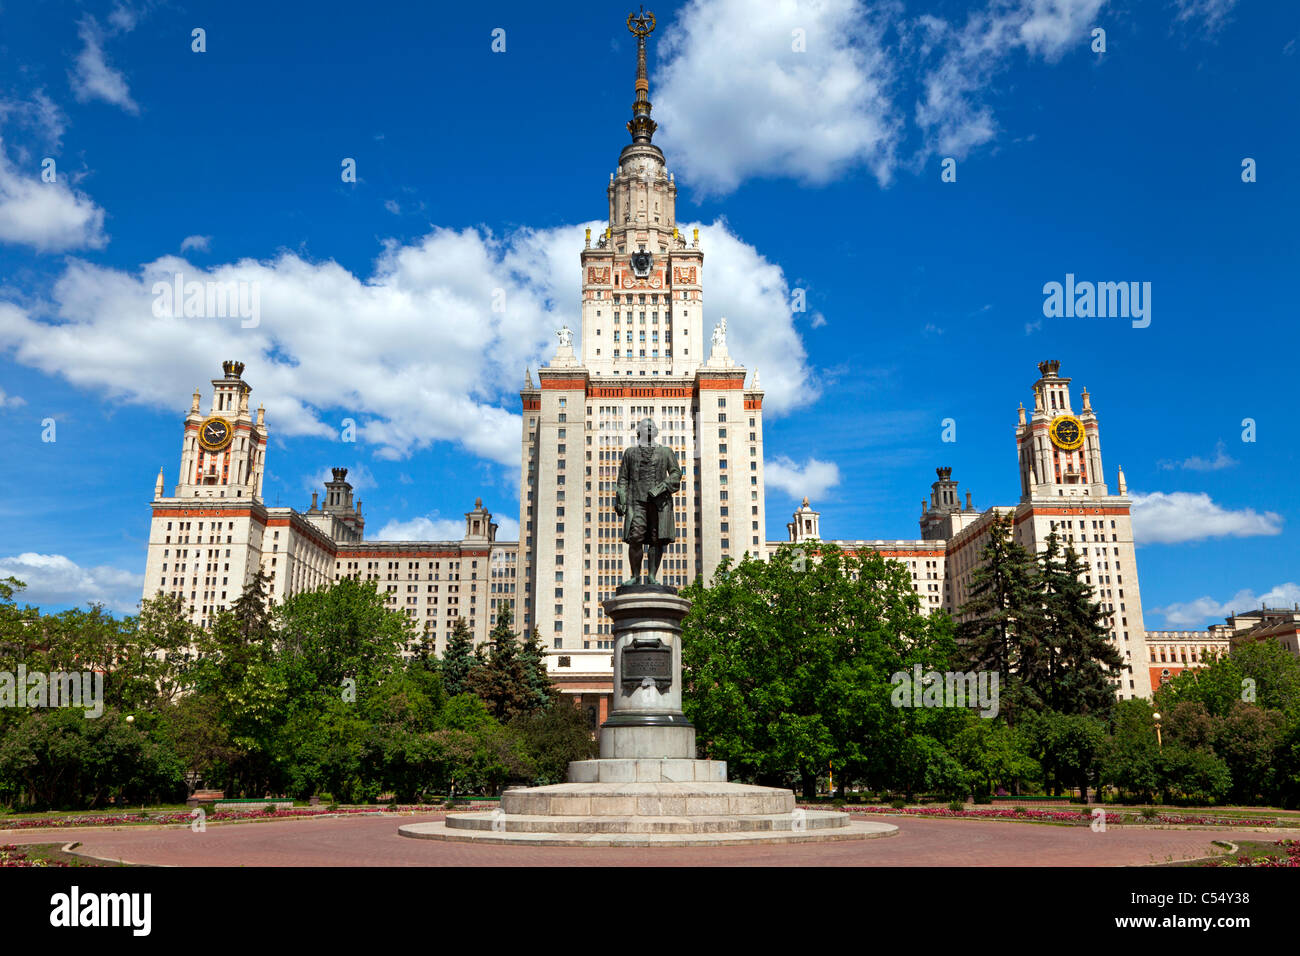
{"x":374,"y":841}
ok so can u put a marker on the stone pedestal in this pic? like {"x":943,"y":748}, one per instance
{"x":645,"y":715}
{"x":647,"y":788}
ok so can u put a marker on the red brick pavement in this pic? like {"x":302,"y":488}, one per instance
{"x":373,"y":841}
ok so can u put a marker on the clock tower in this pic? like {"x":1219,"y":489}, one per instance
{"x":642,"y":355}
{"x":642,"y":281}
{"x":1060,"y":452}
{"x":223,"y":452}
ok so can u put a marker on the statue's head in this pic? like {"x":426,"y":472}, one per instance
{"x":646,"y":430}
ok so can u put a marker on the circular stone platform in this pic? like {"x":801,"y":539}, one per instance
{"x":647,"y":814}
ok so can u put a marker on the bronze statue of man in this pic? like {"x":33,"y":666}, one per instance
{"x":648,"y":477}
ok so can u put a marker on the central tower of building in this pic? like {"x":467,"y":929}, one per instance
{"x":641,"y":353}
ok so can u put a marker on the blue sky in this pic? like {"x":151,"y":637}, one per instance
{"x":814,"y":169}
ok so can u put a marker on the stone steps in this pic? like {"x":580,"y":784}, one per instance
{"x":854,"y":830}
{"x":766,"y":823}
{"x":647,"y":800}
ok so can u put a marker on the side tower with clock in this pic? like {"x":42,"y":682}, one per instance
{"x":1063,"y":490}
{"x":1060,"y":453}
{"x":223,"y":453}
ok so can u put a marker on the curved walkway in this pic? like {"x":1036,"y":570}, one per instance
{"x":374,"y":841}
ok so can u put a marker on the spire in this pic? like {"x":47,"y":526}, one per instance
{"x":641,"y":126}
{"x":158,"y":485}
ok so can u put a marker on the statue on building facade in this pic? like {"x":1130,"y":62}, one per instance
{"x":648,"y":477}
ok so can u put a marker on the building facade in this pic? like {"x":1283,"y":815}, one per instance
{"x":209,"y":537}
{"x":642,"y":355}
{"x":1062,"y":490}
{"x":642,"y":352}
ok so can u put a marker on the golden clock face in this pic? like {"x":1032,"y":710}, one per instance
{"x":215,"y":433}
{"x":1066,"y":432}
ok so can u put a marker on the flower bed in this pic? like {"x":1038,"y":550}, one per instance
{"x":17,"y":856}
{"x":173,"y":817}
{"x":1075,"y":817}
{"x":1289,"y":856}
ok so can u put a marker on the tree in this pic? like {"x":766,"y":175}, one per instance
{"x":503,"y":683}
{"x":1073,"y":666}
{"x":993,"y":755}
{"x":1068,"y":747}
{"x":786,"y":664}
{"x":538,"y":680}
{"x":1247,"y":740}
{"x":1130,"y":759}
{"x":58,"y":759}
{"x":1193,"y":776}
{"x":1000,"y":622}
{"x":458,"y":660}
{"x":551,"y":738}
{"x":238,"y":670}
{"x":341,"y":633}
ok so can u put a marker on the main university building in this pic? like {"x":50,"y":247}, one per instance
{"x":643,"y":353}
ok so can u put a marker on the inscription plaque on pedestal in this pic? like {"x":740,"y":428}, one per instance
{"x":653,"y":663}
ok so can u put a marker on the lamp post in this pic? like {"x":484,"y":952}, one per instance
{"x":1159,"y":741}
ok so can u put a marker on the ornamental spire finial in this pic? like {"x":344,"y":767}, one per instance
{"x":641,"y":126}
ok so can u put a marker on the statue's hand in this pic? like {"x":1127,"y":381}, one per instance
{"x":620,"y":510}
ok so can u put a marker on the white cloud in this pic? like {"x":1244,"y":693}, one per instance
{"x":842,"y":103}
{"x":54,"y":579}
{"x":51,"y":217}
{"x":1205,"y":610}
{"x":433,"y":528}
{"x":414,"y":352}
{"x":92,"y":78}
{"x":754,"y":295}
{"x":1213,"y":14}
{"x":810,"y":115}
{"x":952,"y":112}
{"x":1180,"y":516}
{"x":201,"y":243}
{"x":392,"y":206}
{"x":813,"y":478}
{"x":1220,"y":461}
{"x":10,"y":401}
{"x":40,"y":114}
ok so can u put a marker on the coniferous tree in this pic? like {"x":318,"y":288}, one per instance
{"x":999,"y":625}
{"x":459,"y":660}
{"x":1076,"y":664}
{"x":502,"y":683}
{"x":533,"y":656}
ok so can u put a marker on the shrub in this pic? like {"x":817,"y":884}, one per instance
{"x":956,"y":805}
{"x":898,"y":804}
{"x":1150,"y":813}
